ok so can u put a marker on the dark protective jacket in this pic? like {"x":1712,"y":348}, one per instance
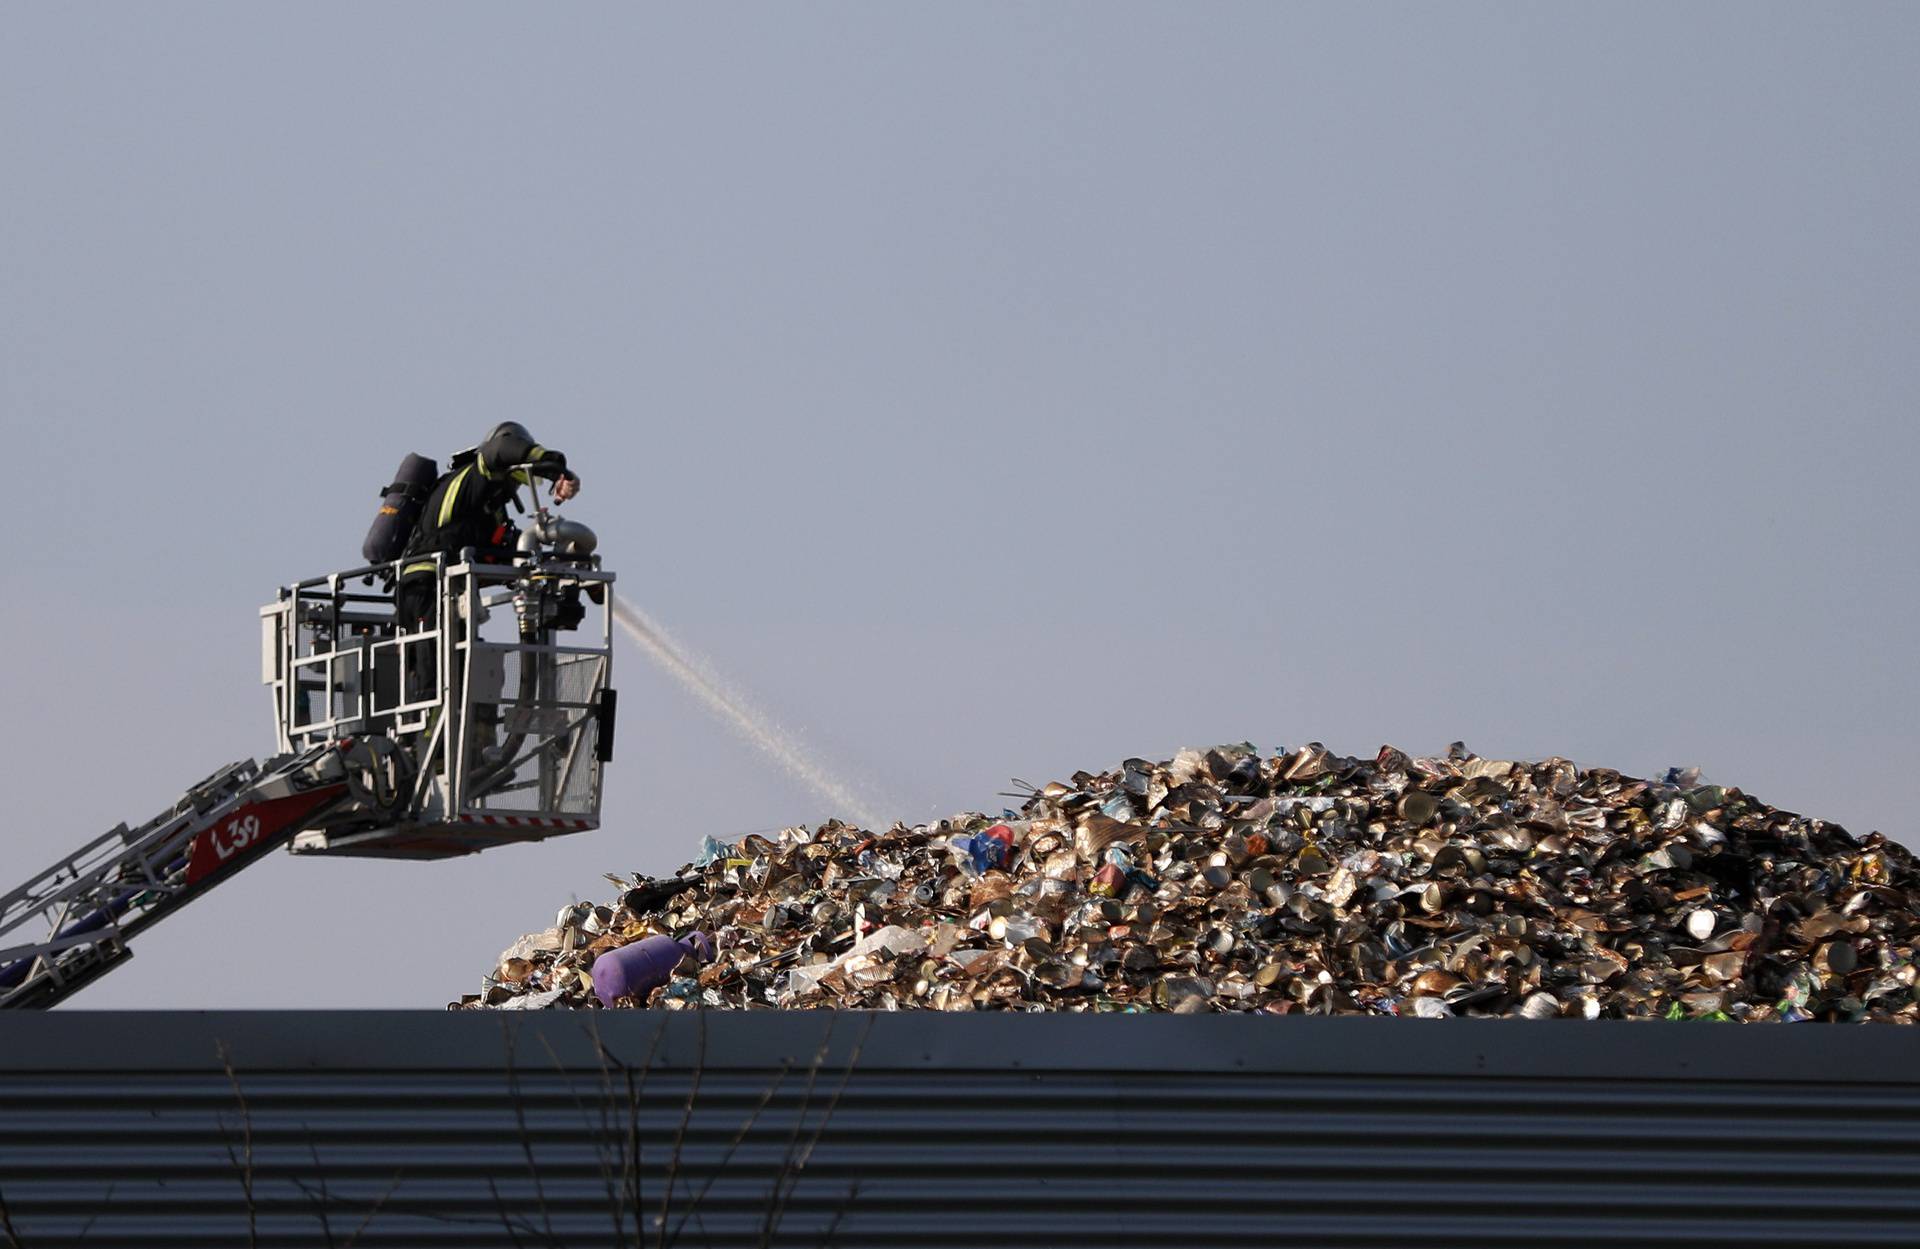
{"x":468,"y":505}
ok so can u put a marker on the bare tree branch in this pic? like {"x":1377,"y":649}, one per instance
{"x":621,"y":1177}
{"x":506,"y":1220}
{"x":500,"y":1218}
{"x":601,"y":1152}
{"x":106,"y":1199}
{"x":6,"y":1225}
{"x":839,"y":1213}
{"x":680,"y":1136}
{"x":790,"y":1171}
{"x":526,"y":1138}
{"x":633,"y":1184}
{"x":853,"y":1060}
{"x":325,"y":1198}
{"x":246,"y":1127}
{"x":726,"y":1155}
{"x":770,"y":1214}
{"x":378,"y":1203}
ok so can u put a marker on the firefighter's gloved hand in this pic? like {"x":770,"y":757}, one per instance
{"x":565,"y":487}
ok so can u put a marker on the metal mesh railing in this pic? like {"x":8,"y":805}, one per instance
{"x":496,"y":725}
{"x":530,"y":749}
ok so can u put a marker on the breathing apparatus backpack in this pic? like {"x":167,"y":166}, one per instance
{"x":400,"y":505}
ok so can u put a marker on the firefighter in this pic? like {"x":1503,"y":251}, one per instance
{"x":467,"y":508}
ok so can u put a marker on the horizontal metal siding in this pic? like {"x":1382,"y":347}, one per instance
{"x":915,"y":1151}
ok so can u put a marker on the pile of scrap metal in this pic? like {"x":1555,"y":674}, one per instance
{"x":1302,"y":882}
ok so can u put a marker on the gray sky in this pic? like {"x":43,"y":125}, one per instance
{"x":992,"y":390}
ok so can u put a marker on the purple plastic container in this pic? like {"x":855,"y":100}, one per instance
{"x":644,"y":966}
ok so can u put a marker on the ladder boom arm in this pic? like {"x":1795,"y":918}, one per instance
{"x":69,"y":925}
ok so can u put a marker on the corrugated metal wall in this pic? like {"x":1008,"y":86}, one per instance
{"x":808,"y":1129}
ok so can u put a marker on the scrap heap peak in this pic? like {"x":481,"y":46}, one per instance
{"x":1301,"y":882}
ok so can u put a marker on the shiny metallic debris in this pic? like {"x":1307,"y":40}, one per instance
{"x":1304,"y":882}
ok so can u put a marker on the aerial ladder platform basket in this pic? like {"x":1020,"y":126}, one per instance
{"x":489,"y":723}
